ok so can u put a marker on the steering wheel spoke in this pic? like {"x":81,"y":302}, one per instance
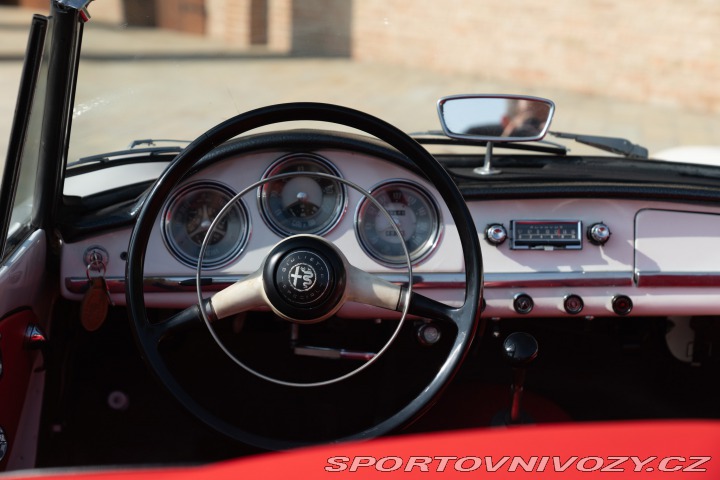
{"x":369,"y":289}
{"x":185,"y":320}
{"x":241,"y":296}
{"x":423,"y":306}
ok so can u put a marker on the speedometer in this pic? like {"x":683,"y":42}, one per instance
{"x":302,"y":203}
{"x":413,"y":211}
{"x":187,"y":218}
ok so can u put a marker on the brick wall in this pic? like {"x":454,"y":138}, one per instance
{"x":657,"y":51}
{"x":661,"y":51}
{"x":322,"y":27}
{"x":306,"y":27}
{"x":243,"y":22}
{"x":280,"y":25}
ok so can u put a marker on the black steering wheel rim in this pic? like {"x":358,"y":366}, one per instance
{"x":467,"y":315}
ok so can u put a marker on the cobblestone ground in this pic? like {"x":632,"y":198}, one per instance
{"x":119,"y":97}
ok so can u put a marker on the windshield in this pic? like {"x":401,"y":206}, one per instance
{"x":164,"y":71}
{"x":610,"y":68}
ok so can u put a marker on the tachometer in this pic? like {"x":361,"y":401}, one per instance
{"x":415,"y":213}
{"x":302,"y":203}
{"x":187,"y":218}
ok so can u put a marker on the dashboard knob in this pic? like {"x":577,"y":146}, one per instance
{"x":598,"y":234}
{"x":573,"y":304}
{"x":523,"y":303}
{"x":622,"y":305}
{"x":496,"y":234}
{"x":428,"y":334}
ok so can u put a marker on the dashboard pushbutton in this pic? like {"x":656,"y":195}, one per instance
{"x":622,"y":305}
{"x":523,"y":303}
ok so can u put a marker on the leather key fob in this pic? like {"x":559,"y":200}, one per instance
{"x":94,"y":306}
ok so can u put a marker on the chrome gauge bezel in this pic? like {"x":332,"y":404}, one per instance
{"x":169,"y":216}
{"x":426,"y":247}
{"x":284,"y":165}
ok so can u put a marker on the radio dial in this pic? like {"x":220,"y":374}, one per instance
{"x":496,"y":234}
{"x":599,"y":234}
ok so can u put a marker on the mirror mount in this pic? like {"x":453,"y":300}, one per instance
{"x":486,"y":168}
{"x":492,"y":119}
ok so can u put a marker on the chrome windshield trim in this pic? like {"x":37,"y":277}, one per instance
{"x":79,"y":285}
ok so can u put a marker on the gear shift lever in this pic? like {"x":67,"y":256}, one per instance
{"x":519,"y":349}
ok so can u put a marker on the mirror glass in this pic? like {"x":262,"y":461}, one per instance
{"x":496,"y":118}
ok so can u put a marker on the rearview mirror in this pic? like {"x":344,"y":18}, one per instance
{"x":495,"y":118}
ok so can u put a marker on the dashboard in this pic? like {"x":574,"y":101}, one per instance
{"x":544,"y":257}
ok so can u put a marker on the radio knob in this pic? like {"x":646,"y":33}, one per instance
{"x":599,"y":234}
{"x":496,"y":234}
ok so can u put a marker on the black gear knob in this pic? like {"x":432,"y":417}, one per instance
{"x":520,"y":349}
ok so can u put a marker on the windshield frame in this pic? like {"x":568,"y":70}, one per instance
{"x":33,"y":176}
{"x":64,"y":56}
{"x":16,"y":161}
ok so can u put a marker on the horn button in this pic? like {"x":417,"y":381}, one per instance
{"x":304,"y":279}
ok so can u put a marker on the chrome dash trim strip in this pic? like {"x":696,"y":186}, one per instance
{"x":78,"y":285}
{"x":559,"y":279}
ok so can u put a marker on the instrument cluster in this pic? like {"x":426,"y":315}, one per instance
{"x":302,"y":193}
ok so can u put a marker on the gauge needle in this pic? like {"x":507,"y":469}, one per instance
{"x":303,"y":201}
{"x":205,"y":224}
{"x":399,"y":225}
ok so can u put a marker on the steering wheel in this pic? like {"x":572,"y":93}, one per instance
{"x":343,"y":281}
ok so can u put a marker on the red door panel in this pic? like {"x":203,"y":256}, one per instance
{"x":17,"y":363}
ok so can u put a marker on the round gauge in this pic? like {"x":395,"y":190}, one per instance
{"x":188,"y":216}
{"x":302,"y":203}
{"x":414,"y":212}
